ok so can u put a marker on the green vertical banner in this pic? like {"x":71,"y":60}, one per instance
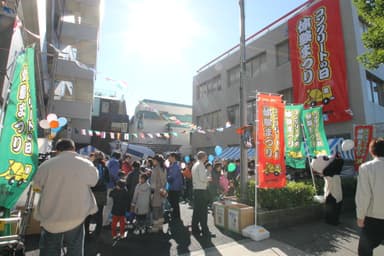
{"x":294,"y":145}
{"x":18,"y":141}
{"x":314,"y":132}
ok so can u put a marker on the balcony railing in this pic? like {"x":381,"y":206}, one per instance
{"x":73,"y":70}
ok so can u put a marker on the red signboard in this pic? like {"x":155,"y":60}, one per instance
{"x":270,"y":137}
{"x":318,"y":60}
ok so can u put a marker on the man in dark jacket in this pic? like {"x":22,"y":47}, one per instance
{"x":132,"y":181}
{"x":100,"y":193}
{"x":175,"y":182}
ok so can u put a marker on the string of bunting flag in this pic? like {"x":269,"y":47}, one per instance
{"x":142,"y":135}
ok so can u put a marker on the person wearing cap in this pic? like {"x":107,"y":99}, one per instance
{"x":200,"y":180}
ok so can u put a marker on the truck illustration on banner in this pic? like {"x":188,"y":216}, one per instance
{"x":319,"y":96}
{"x":17,"y":173}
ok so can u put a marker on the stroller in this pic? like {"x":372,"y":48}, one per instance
{"x":14,"y":228}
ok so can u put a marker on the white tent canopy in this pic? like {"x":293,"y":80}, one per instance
{"x":87,"y":150}
{"x":135,"y":150}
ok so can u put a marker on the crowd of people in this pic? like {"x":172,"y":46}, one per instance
{"x":121,"y":192}
{"x":75,"y":190}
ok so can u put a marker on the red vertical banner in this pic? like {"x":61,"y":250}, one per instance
{"x":270,"y":138}
{"x":363,"y":134}
{"x":318,"y":60}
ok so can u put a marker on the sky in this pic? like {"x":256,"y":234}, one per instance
{"x":152,"y":49}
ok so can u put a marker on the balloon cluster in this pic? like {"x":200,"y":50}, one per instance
{"x":54,"y":123}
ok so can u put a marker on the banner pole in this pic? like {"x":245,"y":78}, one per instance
{"x":256,"y":232}
{"x":308,"y":158}
{"x":256,"y":158}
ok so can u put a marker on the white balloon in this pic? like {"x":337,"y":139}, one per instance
{"x":51,"y":117}
{"x":347,"y":145}
{"x":44,"y":124}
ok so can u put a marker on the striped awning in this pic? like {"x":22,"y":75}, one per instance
{"x":335,"y":147}
{"x":233,"y":153}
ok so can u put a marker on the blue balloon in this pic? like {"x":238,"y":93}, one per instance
{"x":62,"y":121}
{"x":56,"y":130}
{"x":211,"y":158}
{"x":218,"y":150}
{"x":187,"y":159}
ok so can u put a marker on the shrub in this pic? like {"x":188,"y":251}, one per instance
{"x":295,"y":194}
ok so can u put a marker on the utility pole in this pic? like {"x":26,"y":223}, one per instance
{"x":243,"y":109}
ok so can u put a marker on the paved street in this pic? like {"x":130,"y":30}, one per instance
{"x":313,"y":238}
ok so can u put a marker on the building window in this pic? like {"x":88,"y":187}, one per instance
{"x":233,"y":114}
{"x":375,"y":88}
{"x":257,"y":64}
{"x":215,"y":120}
{"x":251,"y":111}
{"x":140,"y":121}
{"x":210,"y":120}
{"x":209,"y":87}
{"x":104,"y":107}
{"x":96,"y":107}
{"x":198,"y":121}
{"x":282,"y":53}
{"x":234,"y":76}
{"x":287,"y":95}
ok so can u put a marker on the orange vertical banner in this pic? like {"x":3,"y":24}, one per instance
{"x":270,"y":138}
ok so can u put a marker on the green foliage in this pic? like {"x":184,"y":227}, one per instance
{"x":295,"y":194}
{"x":371,"y":12}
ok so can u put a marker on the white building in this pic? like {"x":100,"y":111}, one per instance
{"x":162,"y":126}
